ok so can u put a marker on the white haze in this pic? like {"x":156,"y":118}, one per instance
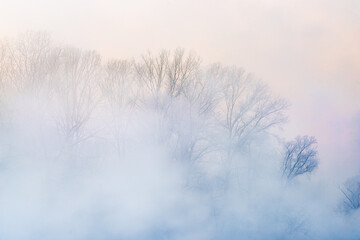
{"x":307,"y":50}
{"x":123,"y":173}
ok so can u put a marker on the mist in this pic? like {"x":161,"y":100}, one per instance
{"x":179,"y":119}
{"x":159,"y":146}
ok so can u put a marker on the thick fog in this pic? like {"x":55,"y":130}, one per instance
{"x":165,"y":146}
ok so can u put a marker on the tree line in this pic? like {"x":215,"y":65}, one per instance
{"x":203,"y":113}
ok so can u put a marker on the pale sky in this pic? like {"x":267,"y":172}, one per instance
{"x":307,"y":50}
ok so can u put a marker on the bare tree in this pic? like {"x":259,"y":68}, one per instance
{"x":247,"y":107}
{"x":351,"y":195}
{"x":118,"y":87}
{"x":203,"y":91}
{"x":300,"y":157}
{"x":173,"y":87}
{"x":118,"y":83}
{"x":152,"y":72}
{"x":202,"y":98}
{"x":77,"y":91}
{"x":182,"y":70}
{"x":32,"y":62}
{"x":167,"y":74}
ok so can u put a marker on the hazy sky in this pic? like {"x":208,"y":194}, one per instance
{"x":307,"y":50}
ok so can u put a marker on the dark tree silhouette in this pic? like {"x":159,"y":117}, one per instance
{"x":351,"y":192}
{"x":300,"y":157}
